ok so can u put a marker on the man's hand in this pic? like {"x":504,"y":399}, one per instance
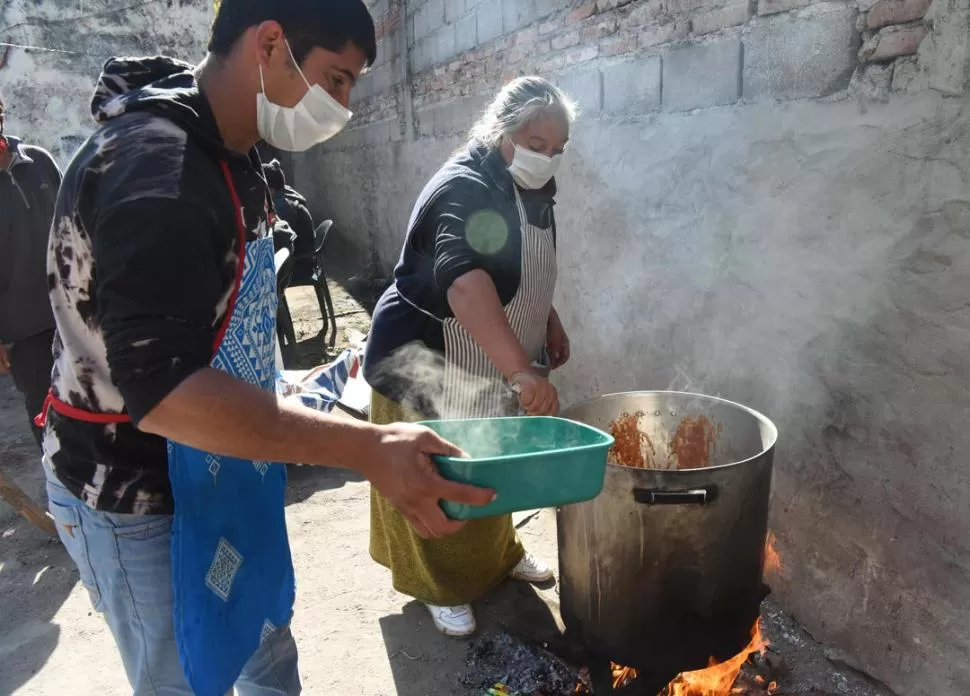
{"x":4,"y":360}
{"x":536,"y":395}
{"x":557,"y":342}
{"x":404,"y":474}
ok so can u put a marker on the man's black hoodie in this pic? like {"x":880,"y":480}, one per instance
{"x":142,"y":261}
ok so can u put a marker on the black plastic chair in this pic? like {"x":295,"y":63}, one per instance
{"x":317,"y":280}
{"x":284,"y":325}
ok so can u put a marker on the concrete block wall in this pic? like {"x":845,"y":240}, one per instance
{"x":630,"y":57}
{"x":48,"y":88}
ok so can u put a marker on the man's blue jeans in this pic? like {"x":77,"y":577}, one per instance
{"x":126,"y":566}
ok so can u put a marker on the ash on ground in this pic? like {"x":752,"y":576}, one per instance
{"x":502,"y":659}
{"x":796,"y":663}
{"x":803,"y":667}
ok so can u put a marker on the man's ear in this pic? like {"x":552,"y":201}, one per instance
{"x":269,"y":37}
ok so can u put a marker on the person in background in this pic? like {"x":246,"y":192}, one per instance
{"x":468,"y":322}
{"x":293,"y":209}
{"x":166,"y":440}
{"x":29,"y":181}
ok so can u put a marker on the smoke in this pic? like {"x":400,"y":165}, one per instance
{"x":681,"y":382}
{"x":414,"y":376}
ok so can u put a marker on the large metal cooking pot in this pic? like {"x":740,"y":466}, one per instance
{"x":663,"y":570}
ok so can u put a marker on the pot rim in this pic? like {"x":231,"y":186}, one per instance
{"x":760,"y":417}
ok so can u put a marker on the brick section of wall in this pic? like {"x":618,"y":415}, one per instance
{"x":629,"y":57}
{"x":893,"y":42}
{"x":886,"y":12}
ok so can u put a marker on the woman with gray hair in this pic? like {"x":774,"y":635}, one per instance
{"x":468,"y":330}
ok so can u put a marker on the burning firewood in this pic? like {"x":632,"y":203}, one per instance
{"x":719,"y":679}
{"x":622,"y":676}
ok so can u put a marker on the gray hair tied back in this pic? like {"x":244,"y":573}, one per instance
{"x":519,"y":102}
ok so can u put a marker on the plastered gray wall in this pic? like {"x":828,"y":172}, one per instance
{"x":48,"y":87}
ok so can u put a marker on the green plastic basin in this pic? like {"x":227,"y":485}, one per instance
{"x":530,"y":462}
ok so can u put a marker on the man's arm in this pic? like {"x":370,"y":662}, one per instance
{"x":215,"y":412}
{"x":159,"y":284}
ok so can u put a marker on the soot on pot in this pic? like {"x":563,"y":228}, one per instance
{"x":689,"y":447}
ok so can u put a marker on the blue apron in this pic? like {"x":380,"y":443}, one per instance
{"x":231,"y":567}
{"x":232,"y":570}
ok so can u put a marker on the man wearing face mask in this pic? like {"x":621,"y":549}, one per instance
{"x":472,"y":294}
{"x":163,"y":425}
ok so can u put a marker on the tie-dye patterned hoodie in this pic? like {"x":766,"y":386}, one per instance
{"x":142,"y":259}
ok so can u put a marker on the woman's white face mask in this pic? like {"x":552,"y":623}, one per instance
{"x":532,"y":170}
{"x":315,"y":118}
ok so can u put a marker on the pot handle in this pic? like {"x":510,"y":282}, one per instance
{"x":659,"y":496}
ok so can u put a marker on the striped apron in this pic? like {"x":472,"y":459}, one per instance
{"x":461,"y":568}
{"x":473,"y":386}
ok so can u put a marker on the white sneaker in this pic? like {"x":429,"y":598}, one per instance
{"x":531,"y":569}
{"x":457,"y":622}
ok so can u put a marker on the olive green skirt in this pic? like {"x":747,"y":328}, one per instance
{"x":446,"y":572}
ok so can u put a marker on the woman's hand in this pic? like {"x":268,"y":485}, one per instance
{"x":557,"y":342}
{"x":536,"y":395}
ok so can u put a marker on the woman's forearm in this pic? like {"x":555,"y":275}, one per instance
{"x":475,"y":303}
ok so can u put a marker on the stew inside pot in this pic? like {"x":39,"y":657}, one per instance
{"x":690,"y":446}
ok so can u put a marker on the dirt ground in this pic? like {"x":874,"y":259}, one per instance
{"x":355,"y":634}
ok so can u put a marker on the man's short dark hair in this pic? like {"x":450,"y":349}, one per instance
{"x":308,"y":24}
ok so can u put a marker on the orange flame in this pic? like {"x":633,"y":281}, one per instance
{"x":718,"y":679}
{"x":623,"y":675}
{"x":772,"y":559}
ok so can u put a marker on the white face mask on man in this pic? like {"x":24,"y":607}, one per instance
{"x":315,"y":118}
{"x":533,"y":170}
